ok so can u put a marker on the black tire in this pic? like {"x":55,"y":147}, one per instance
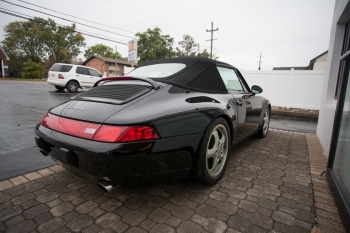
{"x":214,"y":147}
{"x":265,"y":124}
{"x":59,"y":88}
{"x":72,"y":86}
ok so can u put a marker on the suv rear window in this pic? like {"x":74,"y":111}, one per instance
{"x":61,"y":68}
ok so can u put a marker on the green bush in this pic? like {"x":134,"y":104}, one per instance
{"x":32,"y":70}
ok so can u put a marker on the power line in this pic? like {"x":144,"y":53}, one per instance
{"x":228,"y":35}
{"x":13,"y":14}
{"x":74,"y":16}
{"x":132,"y":18}
{"x":171,"y":14}
{"x":196,"y":11}
{"x":66,"y":19}
{"x":78,"y":31}
{"x":232,"y":58}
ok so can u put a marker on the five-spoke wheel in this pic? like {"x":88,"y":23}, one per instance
{"x":213,"y":152}
{"x":265,"y":124}
{"x":72,"y":86}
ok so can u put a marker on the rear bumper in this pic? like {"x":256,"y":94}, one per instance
{"x":57,"y":82}
{"x":124,"y":164}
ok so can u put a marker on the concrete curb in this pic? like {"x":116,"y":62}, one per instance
{"x":295,"y":115}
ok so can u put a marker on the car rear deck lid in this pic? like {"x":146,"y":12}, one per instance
{"x":114,"y":94}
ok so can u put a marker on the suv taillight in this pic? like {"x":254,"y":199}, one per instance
{"x":60,"y":76}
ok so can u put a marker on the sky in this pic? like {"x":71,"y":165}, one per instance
{"x":285,"y":32}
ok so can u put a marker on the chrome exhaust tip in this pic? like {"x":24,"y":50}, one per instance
{"x":105,"y":184}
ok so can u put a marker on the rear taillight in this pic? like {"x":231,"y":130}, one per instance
{"x":99,"y":132}
{"x":60,"y":76}
{"x":109,"y":133}
{"x":71,"y":127}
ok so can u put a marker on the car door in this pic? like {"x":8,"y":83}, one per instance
{"x":94,"y":76}
{"x":83,"y":75}
{"x":246,"y":105}
{"x":87,"y":76}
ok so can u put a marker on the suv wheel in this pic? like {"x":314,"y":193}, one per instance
{"x":72,"y":86}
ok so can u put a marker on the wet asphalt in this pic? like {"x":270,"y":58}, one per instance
{"x":23,"y":104}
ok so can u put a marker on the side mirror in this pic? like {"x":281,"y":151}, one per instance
{"x":100,"y":75}
{"x":256,"y":89}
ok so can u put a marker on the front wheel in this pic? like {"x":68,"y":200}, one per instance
{"x":72,"y":86}
{"x":266,"y":123}
{"x":213,"y":152}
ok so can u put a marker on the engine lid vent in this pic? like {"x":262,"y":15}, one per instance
{"x":114,"y":94}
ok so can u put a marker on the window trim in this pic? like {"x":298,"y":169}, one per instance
{"x":238,"y":77}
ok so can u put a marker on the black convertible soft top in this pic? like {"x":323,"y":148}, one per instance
{"x":200,"y":74}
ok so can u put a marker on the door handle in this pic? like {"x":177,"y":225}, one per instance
{"x":239,"y":102}
{"x":76,"y":75}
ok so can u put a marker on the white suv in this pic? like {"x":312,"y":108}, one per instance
{"x":72,"y":77}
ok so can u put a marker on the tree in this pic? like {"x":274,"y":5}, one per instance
{"x":102,"y":51}
{"x":152,"y":45}
{"x":32,"y":70}
{"x":24,"y":39}
{"x":206,"y":54}
{"x":188,"y":47}
{"x":39,"y":39}
{"x":62,"y":43}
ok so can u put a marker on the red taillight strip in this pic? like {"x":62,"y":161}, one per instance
{"x":110,"y":133}
{"x":71,"y":127}
{"x":99,"y":132}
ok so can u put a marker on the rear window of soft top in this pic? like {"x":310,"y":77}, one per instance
{"x":61,"y":68}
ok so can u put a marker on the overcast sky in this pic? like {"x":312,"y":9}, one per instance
{"x":286,"y":32}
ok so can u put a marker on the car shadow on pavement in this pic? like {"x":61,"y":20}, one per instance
{"x":266,"y":186}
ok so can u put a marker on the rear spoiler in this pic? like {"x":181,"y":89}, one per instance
{"x":155,"y":85}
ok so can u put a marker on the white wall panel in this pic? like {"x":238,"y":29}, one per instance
{"x":289,"y":88}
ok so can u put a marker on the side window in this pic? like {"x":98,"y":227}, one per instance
{"x":94,"y":73}
{"x":66,"y":68}
{"x":231,"y":80}
{"x":82,"y":70}
{"x":61,"y":68}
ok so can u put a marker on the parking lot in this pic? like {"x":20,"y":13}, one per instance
{"x":270,"y":185}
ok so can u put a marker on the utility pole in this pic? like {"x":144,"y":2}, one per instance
{"x":211,"y":39}
{"x":116,"y":61}
{"x":259,"y":61}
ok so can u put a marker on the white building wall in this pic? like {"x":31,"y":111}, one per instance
{"x":321,"y":62}
{"x":289,"y":88}
{"x":328,"y":102}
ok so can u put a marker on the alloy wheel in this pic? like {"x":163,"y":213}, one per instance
{"x":217,"y":150}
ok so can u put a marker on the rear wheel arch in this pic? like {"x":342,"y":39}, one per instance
{"x":229,"y":123}
{"x":230,"y":126}
{"x":75,"y":81}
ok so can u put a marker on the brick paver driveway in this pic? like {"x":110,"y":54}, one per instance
{"x":266,"y":187}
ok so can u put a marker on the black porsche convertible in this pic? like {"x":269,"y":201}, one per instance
{"x":162,"y":121}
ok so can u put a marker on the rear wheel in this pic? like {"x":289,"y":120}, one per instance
{"x":72,"y":86}
{"x":266,"y":123}
{"x":59,"y":88}
{"x":213,"y":152}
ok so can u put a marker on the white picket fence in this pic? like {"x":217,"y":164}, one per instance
{"x":289,"y":88}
